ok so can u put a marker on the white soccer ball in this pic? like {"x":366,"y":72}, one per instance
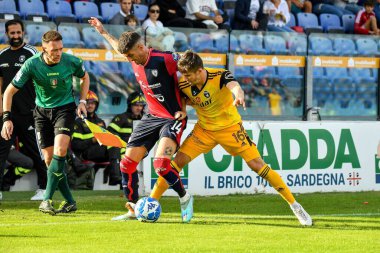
{"x":147,"y":209}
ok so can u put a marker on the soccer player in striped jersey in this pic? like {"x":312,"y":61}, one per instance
{"x":210,"y":92}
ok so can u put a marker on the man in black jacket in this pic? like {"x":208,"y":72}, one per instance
{"x":249,"y":15}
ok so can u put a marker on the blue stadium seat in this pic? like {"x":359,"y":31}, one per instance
{"x":221,"y":43}
{"x":34,"y":32}
{"x":297,"y":45}
{"x":275,"y":44}
{"x":362,"y":75}
{"x":331,"y":23}
{"x":242,"y":71}
{"x":336,"y":72}
{"x":348,"y":23}
{"x":309,"y":22}
{"x":109,"y":10}
{"x":71,"y":36}
{"x":85,"y":10}
{"x":92,"y":39}
{"x":3,"y":36}
{"x":318,"y":72}
{"x":201,"y":42}
{"x":289,"y":72}
{"x":231,"y":17}
{"x":344,"y":46}
{"x":293,"y":84}
{"x":366,"y":92}
{"x":140,"y":11}
{"x":366,"y":46}
{"x":60,"y":11}
{"x":181,"y":43}
{"x":251,"y":44}
{"x":127,"y":71}
{"x":320,"y":46}
{"x":8,"y":8}
{"x":266,"y":72}
{"x":292,"y":21}
{"x":33,"y":10}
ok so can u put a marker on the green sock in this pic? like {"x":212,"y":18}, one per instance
{"x":54,"y":175}
{"x":64,"y":188}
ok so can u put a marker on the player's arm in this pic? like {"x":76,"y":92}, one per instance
{"x":1,"y":96}
{"x":84,"y":87}
{"x":180,"y":115}
{"x":7,"y":130}
{"x":238,"y":92}
{"x":94,"y":22}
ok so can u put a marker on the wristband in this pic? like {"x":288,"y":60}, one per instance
{"x":83,"y":101}
{"x":6,"y":116}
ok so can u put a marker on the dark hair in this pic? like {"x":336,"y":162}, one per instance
{"x":129,"y":18}
{"x":51,"y":36}
{"x":370,"y":3}
{"x":14,"y":22}
{"x":189,"y":62}
{"x":150,"y":6}
{"x":127,"y":40}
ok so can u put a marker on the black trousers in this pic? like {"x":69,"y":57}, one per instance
{"x":24,"y":131}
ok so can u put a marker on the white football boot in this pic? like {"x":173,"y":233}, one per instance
{"x":128,"y":216}
{"x":303,"y":217}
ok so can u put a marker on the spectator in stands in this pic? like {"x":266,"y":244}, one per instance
{"x":11,"y":60}
{"x":173,"y":15}
{"x":274,"y":101}
{"x":126,"y":8}
{"x":249,"y":15}
{"x":85,"y":146}
{"x":205,"y":11}
{"x":365,"y":21}
{"x":350,"y":5}
{"x":131,"y":21}
{"x":326,"y":6}
{"x":158,"y":36}
{"x":278,"y":15}
{"x":297,"y":6}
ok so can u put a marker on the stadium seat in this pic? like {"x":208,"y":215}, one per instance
{"x":242,"y":71}
{"x":201,"y":42}
{"x":8,"y":9}
{"x":309,"y":22}
{"x":60,"y":11}
{"x":344,"y":46}
{"x":297,"y":45}
{"x":362,"y":75}
{"x":222,"y":43}
{"x":85,"y":10}
{"x":288,"y":72}
{"x":251,"y":44}
{"x":3,"y":36}
{"x":71,"y":36}
{"x":348,"y":23}
{"x":33,"y":10}
{"x":181,"y":43}
{"x":320,"y":46}
{"x":292,"y":21}
{"x":266,"y":72}
{"x":92,"y":39}
{"x":34,"y":33}
{"x":109,"y":10}
{"x":318,"y":72}
{"x":331,"y":23}
{"x":231,"y":17}
{"x":127,"y":71}
{"x":275,"y":44}
{"x":140,"y":11}
{"x":366,"y":46}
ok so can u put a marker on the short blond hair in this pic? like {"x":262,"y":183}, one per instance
{"x":189,"y":62}
{"x":51,"y":36}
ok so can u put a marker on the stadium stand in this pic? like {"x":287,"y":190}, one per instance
{"x":201,"y":42}
{"x":320,"y":45}
{"x":85,"y":10}
{"x":109,"y":10}
{"x":140,"y":11}
{"x":309,"y":22}
{"x":331,"y":23}
{"x":60,"y":11}
{"x":297,"y":45}
{"x":181,"y":41}
{"x":366,"y":46}
{"x":344,"y":46}
{"x":250,"y":43}
{"x":275,"y":44}
{"x":92,"y":39}
{"x":33,"y":10}
{"x":348,"y":22}
{"x":8,"y":9}
{"x":34,"y":33}
{"x":71,"y":36}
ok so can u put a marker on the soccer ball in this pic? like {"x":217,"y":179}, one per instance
{"x":147,"y":209}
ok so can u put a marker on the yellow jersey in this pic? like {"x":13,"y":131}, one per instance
{"x":213,"y":102}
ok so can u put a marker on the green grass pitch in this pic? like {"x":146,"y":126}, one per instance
{"x":344,"y":222}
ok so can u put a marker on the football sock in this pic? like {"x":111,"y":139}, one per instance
{"x":277,"y":183}
{"x":129,"y":179}
{"x":64,"y":188}
{"x":159,"y":188}
{"x":54,"y":174}
{"x":164,"y":168}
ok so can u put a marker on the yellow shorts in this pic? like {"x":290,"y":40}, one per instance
{"x":233,"y":139}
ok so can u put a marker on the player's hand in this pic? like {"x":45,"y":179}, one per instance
{"x":81,"y":110}
{"x":239,"y":101}
{"x":94,"y":22}
{"x":7,"y":130}
{"x":180,"y":115}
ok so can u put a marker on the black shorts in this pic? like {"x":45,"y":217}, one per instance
{"x":50,"y":122}
{"x":151,"y":129}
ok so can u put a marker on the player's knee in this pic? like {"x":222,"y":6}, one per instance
{"x":256,"y":164}
{"x":127,"y":165}
{"x":161,"y":166}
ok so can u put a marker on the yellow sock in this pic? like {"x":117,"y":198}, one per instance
{"x":161,"y":185}
{"x":277,"y":183}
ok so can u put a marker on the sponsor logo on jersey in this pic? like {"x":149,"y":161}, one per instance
{"x":156,"y":85}
{"x":4,"y":65}
{"x":22,"y":58}
{"x":154,"y":72}
{"x":206,"y":94}
{"x":159,"y":97}
{"x":18,"y":64}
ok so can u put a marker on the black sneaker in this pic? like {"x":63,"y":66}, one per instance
{"x":66,"y":207}
{"x":46,"y":206}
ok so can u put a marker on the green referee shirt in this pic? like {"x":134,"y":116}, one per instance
{"x":53,"y":83}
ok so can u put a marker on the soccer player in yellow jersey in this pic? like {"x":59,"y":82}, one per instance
{"x":215,"y":94}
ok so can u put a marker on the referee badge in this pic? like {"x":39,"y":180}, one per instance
{"x":54,"y":82}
